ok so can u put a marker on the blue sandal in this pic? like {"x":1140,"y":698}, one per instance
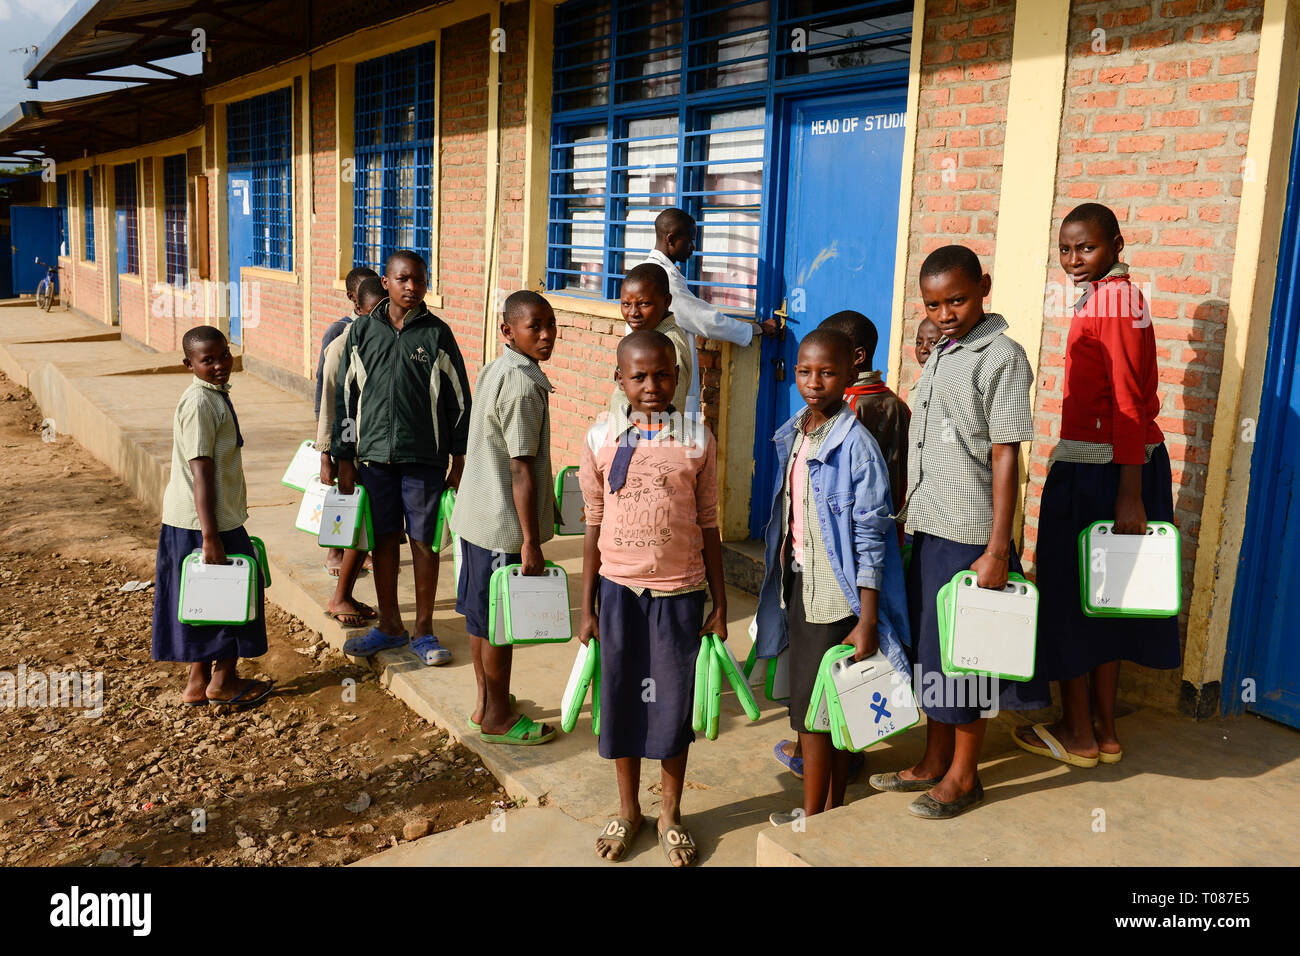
{"x":372,"y":642}
{"x":793,"y":764}
{"x":430,"y":651}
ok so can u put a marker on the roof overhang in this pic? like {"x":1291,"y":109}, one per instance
{"x":101,"y":123}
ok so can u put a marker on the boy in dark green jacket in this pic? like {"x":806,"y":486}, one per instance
{"x":402,"y":403}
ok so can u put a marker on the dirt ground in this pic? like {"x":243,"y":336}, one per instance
{"x":309,"y":778}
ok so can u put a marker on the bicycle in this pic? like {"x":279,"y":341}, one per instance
{"x":48,"y":287}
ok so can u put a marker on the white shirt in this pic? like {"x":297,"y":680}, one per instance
{"x":697,"y":317}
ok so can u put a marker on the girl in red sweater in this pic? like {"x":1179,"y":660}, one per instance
{"x":1110,"y":464}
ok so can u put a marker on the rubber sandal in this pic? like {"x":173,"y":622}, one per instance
{"x":515,"y":736}
{"x":793,"y":764}
{"x":1103,"y":757}
{"x":892,"y":783}
{"x":372,"y":642}
{"x":428,"y":649}
{"x":239,"y":701}
{"x":195,"y":703}
{"x":620,"y":832}
{"x":675,"y":837}
{"x":368,"y":612}
{"x":339,"y":616}
{"x":477,"y":727}
{"x":928,"y":808}
{"x":1053,"y":748}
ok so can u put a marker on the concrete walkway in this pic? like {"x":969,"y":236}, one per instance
{"x":117,"y":400}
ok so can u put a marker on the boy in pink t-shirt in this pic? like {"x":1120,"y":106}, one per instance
{"x":652,"y":548}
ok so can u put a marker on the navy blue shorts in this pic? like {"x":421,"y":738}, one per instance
{"x":956,"y":700}
{"x":648,"y":647}
{"x":474,"y":584}
{"x":405,"y":491}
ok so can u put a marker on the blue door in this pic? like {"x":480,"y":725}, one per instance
{"x":843,"y":164}
{"x":123,"y":261}
{"x":33,"y":234}
{"x":1262,"y":671}
{"x":239,"y":220}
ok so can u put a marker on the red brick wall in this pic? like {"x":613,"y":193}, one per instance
{"x":965,"y":75}
{"x":1155,"y":127}
{"x":134,"y":304}
{"x":327,"y":303}
{"x":88,"y":292}
{"x":461,"y":221}
{"x":582,"y":371}
{"x":512,"y":122}
{"x":272,"y":324}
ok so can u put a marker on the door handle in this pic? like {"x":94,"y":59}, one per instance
{"x":782,"y":315}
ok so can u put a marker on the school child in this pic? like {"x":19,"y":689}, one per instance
{"x":649,"y":483}
{"x":511,"y":510}
{"x":886,"y":416}
{"x":675,"y":233}
{"x":403,"y":367}
{"x":927,"y":337}
{"x":834,"y":574}
{"x":205,"y":506}
{"x":972,"y":412}
{"x":644,"y":299}
{"x":343,"y":605}
{"x":334,"y":556}
{"x":1110,"y":464}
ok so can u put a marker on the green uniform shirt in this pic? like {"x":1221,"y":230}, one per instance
{"x":204,"y":427}
{"x":510,"y":418}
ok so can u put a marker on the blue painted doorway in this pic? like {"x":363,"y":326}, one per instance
{"x":33,"y":234}
{"x":1262,"y":670}
{"x":838,"y":221}
{"x":123,"y":261}
{"x":239,"y":230}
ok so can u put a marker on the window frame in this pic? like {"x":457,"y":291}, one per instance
{"x":127,"y":173}
{"x":176,"y":266}
{"x":259,"y":142}
{"x":692,"y":106}
{"x":381,"y":76}
{"x":88,"y":214}
{"x":61,"y":187}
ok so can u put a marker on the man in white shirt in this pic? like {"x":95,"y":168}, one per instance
{"x":674,"y":243}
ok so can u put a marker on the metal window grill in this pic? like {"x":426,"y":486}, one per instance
{"x":124,"y":192}
{"x":61,"y":187}
{"x":88,"y":212}
{"x":669,"y":103}
{"x":176,"y":251}
{"x":394,"y":135}
{"x":259,"y":141}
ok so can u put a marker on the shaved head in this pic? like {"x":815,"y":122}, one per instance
{"x":646,"y":341}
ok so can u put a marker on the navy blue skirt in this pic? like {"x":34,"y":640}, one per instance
{"x":648,"y":648}
{"x":955,"y":700}
{"x":174,"y":641}
{"x":1070,"y":644}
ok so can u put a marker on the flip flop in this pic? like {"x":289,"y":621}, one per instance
{"x":372,"y":642}
{"x":477,"y":727}
{"x":358,"y":618}
{"x":369,"y":612}
{"x":620,"y":832}
{"x":239,"y":701}
{"x":1103,"y":757}
{"x":1053,"y":748}
{"x":195,"y":703}
{"x":515,"y":736}
{"x":428,"y":649}
{"x":791,"y":763}
{"x":675,"y":837}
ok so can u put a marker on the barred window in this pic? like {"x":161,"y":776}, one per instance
{"x":394,"y":136}
{"x":259,"y":143}
{"x":176,"y":251}
{"x":125,"y":196}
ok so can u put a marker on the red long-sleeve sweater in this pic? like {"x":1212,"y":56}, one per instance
{"x":1110,"y":372}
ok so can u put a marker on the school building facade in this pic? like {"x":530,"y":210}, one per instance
{"x":824,"y":147}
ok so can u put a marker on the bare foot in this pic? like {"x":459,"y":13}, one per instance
{"x":614,"y":840}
